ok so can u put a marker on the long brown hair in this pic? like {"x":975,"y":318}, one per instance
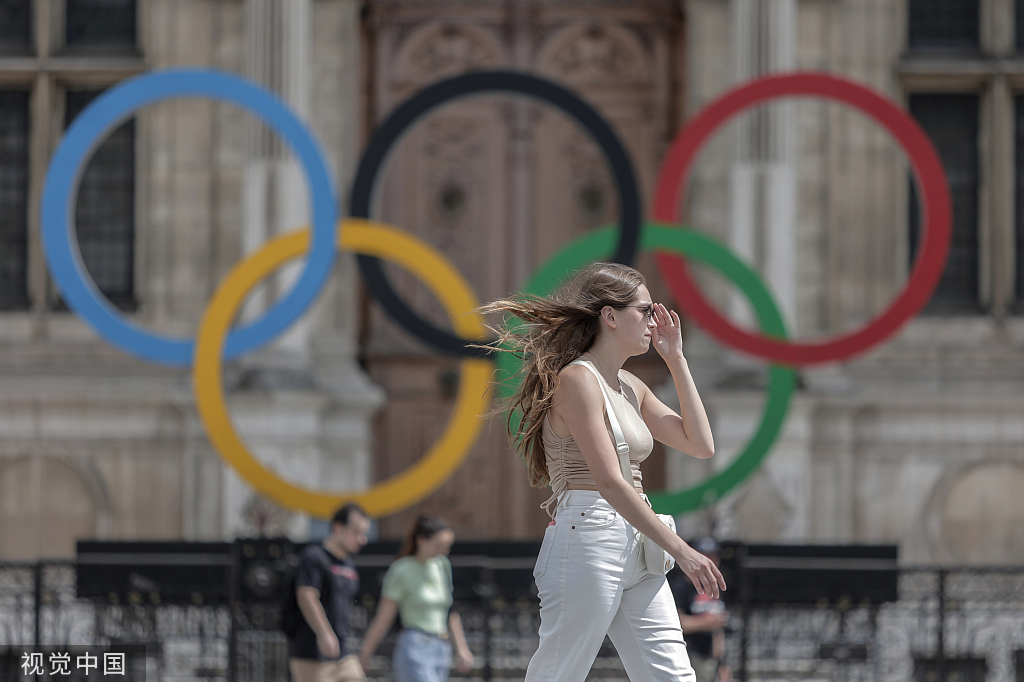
{"x":424,"y":527}
{"x":557,"y":330}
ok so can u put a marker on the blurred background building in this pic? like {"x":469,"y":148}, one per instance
{"x":919,"y":443}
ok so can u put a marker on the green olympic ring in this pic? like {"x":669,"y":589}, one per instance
{"x":781,"y":380}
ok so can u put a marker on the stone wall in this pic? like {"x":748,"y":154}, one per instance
{"x":97,"y":444}
{"x":916,"y":442}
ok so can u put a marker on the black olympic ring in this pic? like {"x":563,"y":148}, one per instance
{"x":385,"y":136}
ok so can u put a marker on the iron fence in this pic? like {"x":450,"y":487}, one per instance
{"x":947,"y":625}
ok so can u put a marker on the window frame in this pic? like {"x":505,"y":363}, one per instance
{"x":978,"y":304}
{"x":947,"y":49}
{"x":21,"y":50}
{"x":996,"y":75}
{"x":128,"y":303}
{"x":47,"y":72}
{"x":59,"y":35}
{"x":24,"y":302}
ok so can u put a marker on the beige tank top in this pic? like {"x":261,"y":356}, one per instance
{"x":564,"y":459}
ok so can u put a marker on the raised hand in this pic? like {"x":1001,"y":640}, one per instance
{"x":667,"y":335}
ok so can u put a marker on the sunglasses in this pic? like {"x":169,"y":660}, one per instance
{"x":646,"y":310}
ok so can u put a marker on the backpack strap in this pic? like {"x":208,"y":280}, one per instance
{"x":621,"y":446}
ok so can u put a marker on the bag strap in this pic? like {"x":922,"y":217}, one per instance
{"x":621,"y":446}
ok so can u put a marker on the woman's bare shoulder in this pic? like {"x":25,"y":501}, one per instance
{"x":576,"y":380}
{"x":576,"y":376}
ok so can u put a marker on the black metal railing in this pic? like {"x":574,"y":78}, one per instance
{"x":947,"y":624}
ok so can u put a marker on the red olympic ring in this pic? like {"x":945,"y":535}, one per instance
{"x":936,"y":216}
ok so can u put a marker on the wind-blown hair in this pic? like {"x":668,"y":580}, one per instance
{"x":557,"y":330}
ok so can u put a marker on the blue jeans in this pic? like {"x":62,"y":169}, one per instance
{"x":421,"y":657}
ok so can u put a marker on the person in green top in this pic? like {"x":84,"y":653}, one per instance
{"x":418,"y":588}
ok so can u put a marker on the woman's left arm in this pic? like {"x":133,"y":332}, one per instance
{"x":688,"y":431}
{"x":463,"y":656}
{"x":387,"y":609}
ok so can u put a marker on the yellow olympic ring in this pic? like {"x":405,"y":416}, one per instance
{"x":472,"y":400}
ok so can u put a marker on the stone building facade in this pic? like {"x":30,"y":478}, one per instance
{"x":95,"y":443}
{"x":915,"y":443}
{"x":500,"y":184}
{"x":919,"y":442}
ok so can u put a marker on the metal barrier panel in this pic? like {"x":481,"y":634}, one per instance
{"x":953,"y":625}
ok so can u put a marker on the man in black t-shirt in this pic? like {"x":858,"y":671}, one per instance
{"x":703,"y":620}
{"x":326,"y":583}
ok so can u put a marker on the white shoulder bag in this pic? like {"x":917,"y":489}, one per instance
{"x":656,"y":558}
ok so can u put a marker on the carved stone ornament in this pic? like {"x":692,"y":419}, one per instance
{"x":598,"y":55}
{"x":592,"y":196}
{"x":448,"y":51}
{"x":452,"y":150}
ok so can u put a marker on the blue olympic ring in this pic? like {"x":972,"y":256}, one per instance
{"x":60,"y":188}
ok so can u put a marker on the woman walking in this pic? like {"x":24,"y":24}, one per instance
{"x":591,"y":573}
{"x":418,"y":588}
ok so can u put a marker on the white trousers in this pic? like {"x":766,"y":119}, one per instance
{"x":592,"y":581}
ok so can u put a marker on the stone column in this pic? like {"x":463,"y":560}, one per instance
{"x":336,"y":112}
{"x":763,"y":184}
{"x":519,"y":115}
{"x":305,"y":404}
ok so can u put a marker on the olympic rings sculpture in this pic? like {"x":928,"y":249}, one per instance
{"x":372,"y":241}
